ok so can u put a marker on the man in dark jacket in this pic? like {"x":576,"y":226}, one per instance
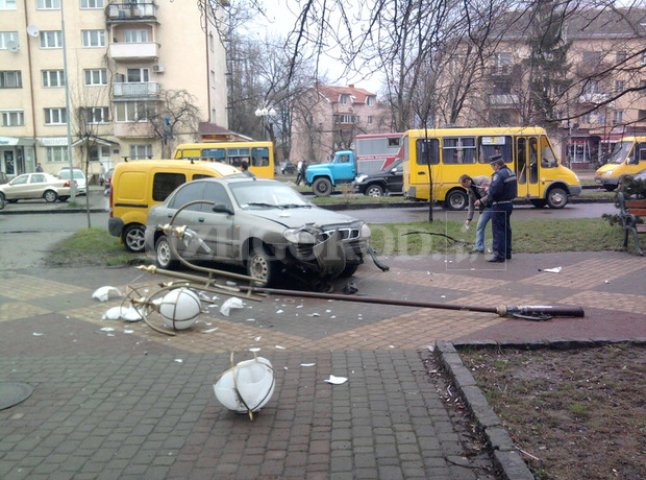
{"x":502,"y":191}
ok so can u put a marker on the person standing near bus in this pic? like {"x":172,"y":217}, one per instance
{"x":476,"y":188}
{"x":502,"y":191}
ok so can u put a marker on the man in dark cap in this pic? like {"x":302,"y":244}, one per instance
{"x":502,"y":191}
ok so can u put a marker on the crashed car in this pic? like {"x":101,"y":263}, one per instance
{"x":263,"y":225}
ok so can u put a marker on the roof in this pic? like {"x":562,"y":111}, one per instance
{"x":333,"y":93}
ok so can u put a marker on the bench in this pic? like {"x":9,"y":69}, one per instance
{"x":631,"y":212}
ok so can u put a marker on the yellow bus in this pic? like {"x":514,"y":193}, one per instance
{"x":628,"y":157}
{"x":445,"y":154}
{"x":258,"y":155}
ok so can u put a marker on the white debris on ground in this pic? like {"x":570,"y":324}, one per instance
{"x":103,"y":294}
{"x":231,"y":303}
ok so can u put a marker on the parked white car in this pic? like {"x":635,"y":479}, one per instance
{"x":35,"y":185}
{"x":79,"y":178}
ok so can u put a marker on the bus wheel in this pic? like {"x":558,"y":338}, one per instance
{"x":556,"y":198}
{"x":322,"y":187}
{"x":456,"y":200}
{"x":539,"y":203}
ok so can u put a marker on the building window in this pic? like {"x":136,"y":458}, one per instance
{"x":371,"y":100}
{"x":48,"y":4}
{"x":502,"y":63}
{"x":592,"y":59}
{"x":641,"y":115}
{"x":591,"y":86}
{"x":53,"y":78}
{"x":138,"y":35}
{"x":11,"y":79}
{"x":51,"y":39}
{"x":96,"y":76}
{"x":7,"y":4}
{"x":619,"y":86}
{"x":12,"y":118}
{"x":644,"y":58}
{"x":56,"y":154}
{"x":7,"y":39}
{"x":141,"y":151}
{"x":95,"y":114}
{"x":601,"y":118}
{"x":131,"y":111}
{"x":138,"y":75}
{"x":344,"y":118}
{"x":501,"y":87}
{"x":618,"y":116}
{"x":55,"y":116}
{"x":86,"y":4}
{"x":344,"y":98}
{"x":621,"y":56}
{"x":369,"y":119}
{"x":93,"y":38}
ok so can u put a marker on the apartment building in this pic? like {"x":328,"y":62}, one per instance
{"x":142,"y":76}
{"x":326,"y":118}
{"x":603,"y":97}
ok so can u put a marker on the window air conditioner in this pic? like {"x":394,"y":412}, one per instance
{"x":158,"y":68}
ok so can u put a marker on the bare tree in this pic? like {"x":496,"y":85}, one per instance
{"x":175,"y":113}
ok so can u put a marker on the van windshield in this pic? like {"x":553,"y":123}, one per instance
{"x":618,"y":154}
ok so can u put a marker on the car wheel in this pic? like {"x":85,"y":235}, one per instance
{"x":538,"y":203}
{"x":556,"y":198}
{"x":133,"y":237}
{"x":50,"y":196}
{"x":374,"y":190}
{"x":261,"y":267}
{"x":456,"y":200}
{"x":164,"y":254}
{"x":349,"y":270}
{"x":322,"y":187}
{"x":2,"y":201}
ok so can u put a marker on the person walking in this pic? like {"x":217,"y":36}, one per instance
{"x":502,"y":191}
{"x":300,"y":171}
{"x":39,"y":167}
{"x":476,"y":188}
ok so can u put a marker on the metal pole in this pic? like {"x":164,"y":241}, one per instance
{"x":68,"y":113}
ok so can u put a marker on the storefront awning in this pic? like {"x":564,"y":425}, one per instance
{"x":17,"y":141}
{"x":98,"y":140}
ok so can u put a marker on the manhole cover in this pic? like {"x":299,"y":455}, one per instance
{"x":13,"y":393}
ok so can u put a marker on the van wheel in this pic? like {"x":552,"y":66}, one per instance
{"x":322,"y":187}
{"x":164,"y":254}
{"x":456,"y":200}
{"x":374,"y":190}
{"x":556,"y":198}
{"x":133,"y":237}
{"x":50,"y":196}
{"x":261,"y":267}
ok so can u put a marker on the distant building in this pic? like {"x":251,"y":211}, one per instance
{"x":326,"y":118}
{"x":121,"y":59}
{"x":599,"y":41}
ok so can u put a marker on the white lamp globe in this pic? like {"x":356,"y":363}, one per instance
{"x":180,"y":308}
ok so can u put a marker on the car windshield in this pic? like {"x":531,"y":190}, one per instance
{"x":618,"y":154}
{"x":267,"y":195}
{"x":66,"y":174}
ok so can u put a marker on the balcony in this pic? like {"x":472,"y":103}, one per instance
{"x":130,"y":12}
{"x":135,"y":52}
{"x":133,"y":130}
{"x":503,"y":100}
{"x":121,"y":90}
{"x":500,"y":70}
{"x":594,"y":98}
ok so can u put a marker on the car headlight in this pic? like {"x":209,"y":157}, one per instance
{"x":296,"y":235}
{"x":365,"y":231}
{"x":361,"y":178}
{"x":608,"y":173}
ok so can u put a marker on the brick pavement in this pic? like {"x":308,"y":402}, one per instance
{"x":133,"y":403}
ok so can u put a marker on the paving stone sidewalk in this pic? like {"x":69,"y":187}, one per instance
{"x":132,"y":403}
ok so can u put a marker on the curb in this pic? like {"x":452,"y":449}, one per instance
{"x":505,"y":454}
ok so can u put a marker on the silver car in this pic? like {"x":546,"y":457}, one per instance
{"x":263,"y":225}
{"x":35,"y":185}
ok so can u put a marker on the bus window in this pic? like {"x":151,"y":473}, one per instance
{"x":492,"y":146}
{"x":235,"y":156}
{"x":521,"y":170}
{"x":259,"y":157}
{"x":548,"y":160}
{"x":533,"y":160}
{"x":638,"y":154}
{"x":428,"y":151}
{"x":216,"y":154}
{"x":459,"y":150}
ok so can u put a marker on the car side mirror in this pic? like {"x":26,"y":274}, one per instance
{"x":393,"y":170}
{"x":221,"y":208}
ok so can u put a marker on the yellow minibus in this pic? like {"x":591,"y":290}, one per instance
{"x":443,"y":155}
{"x":628,"y":157}
{"x":258,"y":155}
